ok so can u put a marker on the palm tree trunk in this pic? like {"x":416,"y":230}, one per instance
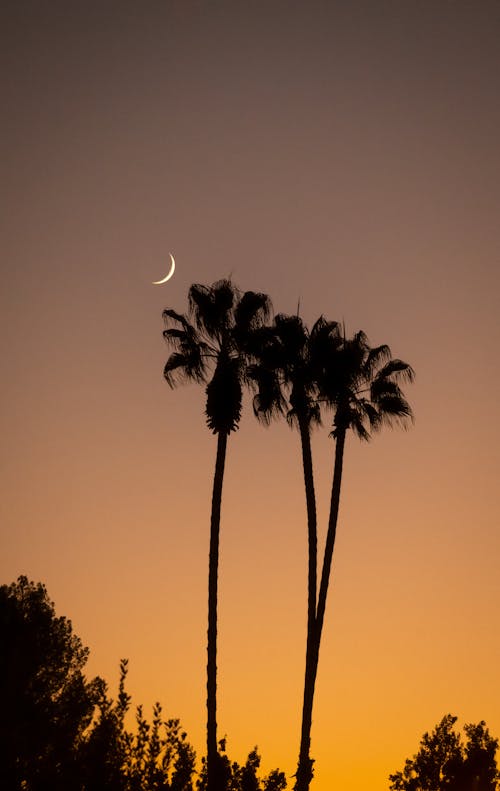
{"x":213,"y":568}
{"x":332,"y":532}
{"x":305,"y":764}
{"x":304,"y":772}
{"x":305,"y":438}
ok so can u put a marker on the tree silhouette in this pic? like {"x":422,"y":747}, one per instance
{"x":209,"y":348}
{"x":235,"y":777}
{"x":285,"y":374}
{"x":155,"y":757}
{"x":361,"y":385}
{"x":46,"y":704}
{"x":60,"y":733}
{"x":294,"y":373}
{"x":445,"y":763}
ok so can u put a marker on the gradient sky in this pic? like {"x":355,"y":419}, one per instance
{"x":343,"y":153}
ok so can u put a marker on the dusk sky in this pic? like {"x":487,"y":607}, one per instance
{"x":343,"y":153}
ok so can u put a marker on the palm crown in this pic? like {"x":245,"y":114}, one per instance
{"x":284,"y":375}
{"x":362,"y":385}
{"x":210,"y":346}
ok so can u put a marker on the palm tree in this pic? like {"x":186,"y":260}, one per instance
{"x":288,"y":357}
{"x":209,"y":348}
{"x":362,"y":385}
{"x":283,"y":378}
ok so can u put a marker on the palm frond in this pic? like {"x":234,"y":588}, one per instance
{"x":188,"y":342}
{"x":371,"y":412}
{"x":173,"y":334}
{"x":375,"y":357}
{"x":170,"y":314}
{"x":268,"y":402}
{"x":259,"y":344}
{"x":292,"y":335}
{"x":225,"y":296}
{"x":325,"y":331}
{"x":315,"y":413}
{"x":398,"y":369}
{"x":384,"y":387}
{"x":358,"y":426}
{"x":265,"y":408}
{"x":181,"y":367}
{"x":320,"y":325}
{"x":395,"y":409}
{"x":360,"y":339}
{"x":284,"y":320}
{"x":175,"y":337}
{"x":202,"y":309}
{"x":252,"y":309}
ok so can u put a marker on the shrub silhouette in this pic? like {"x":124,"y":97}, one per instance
{"x":444,"y":761}
{"x":60,"y":732}
{"x":46,"y":704}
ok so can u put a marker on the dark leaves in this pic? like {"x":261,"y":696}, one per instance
{"x":397,"y":370}
{"x":282,"y":372}
{"x":251,"y":310}
{"x":361,"y":384}
{"x":211,"y":307}
{"x":215,"y":342}
{"x":292,"y":370}
{"x":268,"y":402}
{"x":183,"y":367}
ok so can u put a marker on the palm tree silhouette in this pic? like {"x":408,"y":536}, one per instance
{"x":362,"y":385}
{"x":285,"y":374}
{"x":209,"y":348}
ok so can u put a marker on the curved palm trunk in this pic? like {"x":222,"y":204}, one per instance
{"x":304,"y":770}
{"x":332,"y":532}
{"x":213,"y":568}
{"x":305,"y":438}
{"x":305,"y":739}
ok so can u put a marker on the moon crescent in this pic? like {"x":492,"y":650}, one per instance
{"x":169,"y":273}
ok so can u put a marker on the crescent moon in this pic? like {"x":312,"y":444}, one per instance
{"x":169,"y":273}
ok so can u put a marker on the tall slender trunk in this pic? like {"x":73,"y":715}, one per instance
{"x":305,"y":440}
{"x":332,"y":532}
{"x":305,"y":740}
{"x":304,"y":770}
{"x":213,"y":569}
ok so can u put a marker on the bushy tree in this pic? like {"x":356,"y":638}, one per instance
{"x":59,"y":732}
{"x":236,"y":777}
{"x":46,"y":704}
{"x":155,"y":756}
{"x":445,"y":762}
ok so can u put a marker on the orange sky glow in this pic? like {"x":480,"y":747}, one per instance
{"x":342,"y":153}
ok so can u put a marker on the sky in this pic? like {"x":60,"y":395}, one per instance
{"x":343,"y":154}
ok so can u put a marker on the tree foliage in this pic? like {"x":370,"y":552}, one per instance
{"x":209,"y":346}
{"x":445,"y":762}
{"x":156,"y":756}
{"x":46,"y":704}
{"x":60,"y":732}
{"x":233,"y":776}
